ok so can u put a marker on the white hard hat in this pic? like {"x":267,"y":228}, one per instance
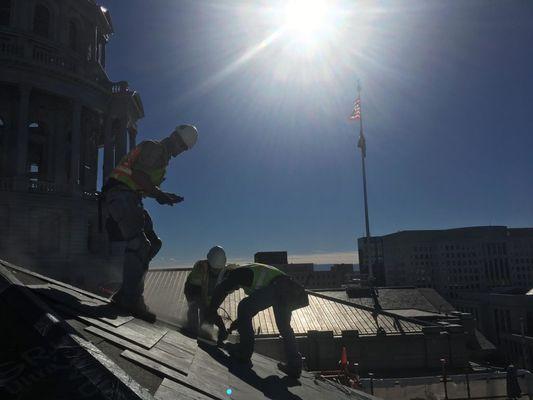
{"x":217,"y":257}
{"x":188,"y":134}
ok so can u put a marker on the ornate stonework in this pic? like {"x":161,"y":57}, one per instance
{"x":58,"y":108}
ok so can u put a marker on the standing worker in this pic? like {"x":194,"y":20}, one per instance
{"x":139,"y":174}
{"x":265,"y":286}
{"x":199,"y":288}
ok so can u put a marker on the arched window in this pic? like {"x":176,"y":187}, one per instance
{"x":2,"y":123}
{"x":5,"y":12}
{"x":73,"y":36}
{"x":41,"y":21}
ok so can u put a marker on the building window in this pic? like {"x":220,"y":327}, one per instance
{"x":73,"y":36}
{"x":37,"y":146}
{"x":5,"y":12}
{"x":41,"y":21}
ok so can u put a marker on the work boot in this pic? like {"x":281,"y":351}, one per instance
{"x":236,"y":354}
{"x":290,"y":370}
{"x":137,"y":308}
{"x":142,"y":311}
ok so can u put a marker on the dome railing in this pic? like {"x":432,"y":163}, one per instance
{"x":42,"y":53}
{"x":33,"y":185}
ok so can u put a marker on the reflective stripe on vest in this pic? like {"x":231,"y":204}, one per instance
{"x":263,"y":275}
{"x":123,"y":171}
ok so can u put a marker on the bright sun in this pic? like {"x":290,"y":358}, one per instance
{"x":307,"y":20}
{"x":304,"y":16}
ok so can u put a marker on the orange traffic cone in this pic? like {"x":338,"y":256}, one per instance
{"x":344,"y":358}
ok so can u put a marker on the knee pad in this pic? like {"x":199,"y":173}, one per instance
{"x":140,"y":246}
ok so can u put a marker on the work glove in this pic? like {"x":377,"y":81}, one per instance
{"x":222,"y":335}
{"x":169,"y":198}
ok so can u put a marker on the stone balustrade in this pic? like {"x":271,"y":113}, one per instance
{"x":120,"y":87}
{"x":32,"y":185}
{"x":10,"y":49}
{"x":52,"y":59}
{"x":21,"y":48}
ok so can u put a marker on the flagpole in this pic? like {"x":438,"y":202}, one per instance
{"x":362,"y":146}
{"x":363,"y":156}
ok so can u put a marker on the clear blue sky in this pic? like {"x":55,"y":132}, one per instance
{"x":447,"y":106}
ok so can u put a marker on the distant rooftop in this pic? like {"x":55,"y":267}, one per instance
{"x":465,"y":232}
{"x":391,"y":298}
{"x":164,"y":294}
{"x":100,"y":351}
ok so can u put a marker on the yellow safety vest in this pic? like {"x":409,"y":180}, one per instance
{"x":263,"y":275}
{"x":200,"y":276}
{"x":123,"y":171}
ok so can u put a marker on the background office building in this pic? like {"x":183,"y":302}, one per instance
{"x":484,"y":271}
{"x":306,"y":274}
{"x":452,"y":260}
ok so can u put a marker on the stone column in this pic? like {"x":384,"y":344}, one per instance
{"x":51,"y":151}
{"x":21,"y":12}
{"x":121,"y":141}
{"x":109,"y":154}
{"x":60,"y":139}
{"x":63,"y":23}
{"x":23,"y":122}
{"x":75,"y":144}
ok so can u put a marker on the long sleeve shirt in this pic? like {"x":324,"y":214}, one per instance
{"x":234,"y":279}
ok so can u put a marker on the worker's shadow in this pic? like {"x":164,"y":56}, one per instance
{"x":273,"y":387}
{"x":73,"y":305}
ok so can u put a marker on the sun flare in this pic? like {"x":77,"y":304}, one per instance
{"x":305,"y":17}
{"x":307,"y":21}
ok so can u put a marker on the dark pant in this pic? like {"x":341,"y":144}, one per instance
{"x":269,"y":296}
{"x":136,"y":228}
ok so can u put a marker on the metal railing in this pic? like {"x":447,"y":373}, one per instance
{"x":468,"y":386}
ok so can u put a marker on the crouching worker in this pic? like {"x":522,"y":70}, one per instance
{"x":265,"y":286}
{"x":199,"y":287}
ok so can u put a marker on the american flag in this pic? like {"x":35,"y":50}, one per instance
{"x":356,"y":112}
